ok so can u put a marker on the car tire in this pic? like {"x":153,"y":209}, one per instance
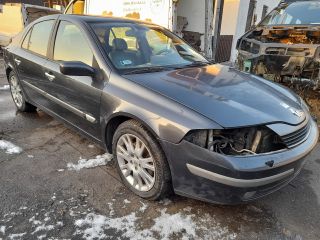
{"x":18,"y":95}
{"x":152,"y":157}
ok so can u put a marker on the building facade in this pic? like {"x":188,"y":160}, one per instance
{"x":238,"y":16}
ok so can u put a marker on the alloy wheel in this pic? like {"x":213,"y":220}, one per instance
{"x":136,"y":162}
{"x":16,"y":91}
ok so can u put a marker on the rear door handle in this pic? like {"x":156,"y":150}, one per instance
{"x":17,"y":61}
{"x":51,"y":77}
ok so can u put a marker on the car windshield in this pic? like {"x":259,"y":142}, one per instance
{"x":137,"y":48}
{"x":294,"y":14}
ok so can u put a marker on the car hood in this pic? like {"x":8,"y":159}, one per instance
{"x":286,"y":34}
{"x":225,"y":95}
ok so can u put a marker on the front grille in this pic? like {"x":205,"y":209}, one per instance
{"x":297,"y":137}
{"x":283,"y":51}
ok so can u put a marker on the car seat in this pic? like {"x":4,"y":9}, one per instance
{"x":120,"y":56}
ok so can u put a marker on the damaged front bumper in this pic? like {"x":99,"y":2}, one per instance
{"x":209,"y":176}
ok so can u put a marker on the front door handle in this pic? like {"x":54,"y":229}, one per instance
{"x":51,"y":77}
{"x":17,"y":61}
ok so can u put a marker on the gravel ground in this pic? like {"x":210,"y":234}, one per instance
{"x":47,"y":193}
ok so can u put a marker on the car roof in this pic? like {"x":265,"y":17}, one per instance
{"x":97,"y":19}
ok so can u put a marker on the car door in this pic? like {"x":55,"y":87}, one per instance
{"x":30,"y":59}
{"x":75,"y":98}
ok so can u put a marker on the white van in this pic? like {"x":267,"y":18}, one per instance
{"x":184,"y":17}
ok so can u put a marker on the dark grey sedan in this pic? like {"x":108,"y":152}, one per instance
{"x":172,"y":120}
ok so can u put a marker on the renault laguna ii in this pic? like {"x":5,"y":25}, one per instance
{"x":172,"y":120}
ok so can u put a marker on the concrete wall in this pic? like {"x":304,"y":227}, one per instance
{"x":230,"y":17}
{"x":11,"y":21}
{"x":194,"y":11}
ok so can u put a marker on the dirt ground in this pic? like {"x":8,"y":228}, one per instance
{"x":315,"y":107}
{"x":311,"y":97}
{"x":42,"y":197}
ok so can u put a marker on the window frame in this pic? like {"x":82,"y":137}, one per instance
{"x":24,"y":38}
{"x":54,"y":37}
{"x":30,"y":29}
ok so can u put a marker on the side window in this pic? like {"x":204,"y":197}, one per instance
{"x":25,"y":43}
{"x":122,"y":32}
{"x":70,"y":45}
{"x":40,"y":35}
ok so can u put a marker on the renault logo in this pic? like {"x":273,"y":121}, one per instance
{"x":296,"y":112}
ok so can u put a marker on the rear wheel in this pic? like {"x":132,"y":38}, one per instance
{"x":140,"y":161}
{"x":18,"y":96}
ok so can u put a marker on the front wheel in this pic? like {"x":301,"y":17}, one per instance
{"x":18,"y":96}
{"x":140,"y":161}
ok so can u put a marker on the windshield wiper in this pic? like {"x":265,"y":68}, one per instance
{"x":198,"y":64}
{"x":145,"y":70}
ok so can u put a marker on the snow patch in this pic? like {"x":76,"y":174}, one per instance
{"x":34,"y":221}
{"x":126,"y":201}
{"x":9,"y":147}
{"x":167,"y":226}
{"x":100,"y":160}
{"x":3,"y":229}
{"x":60,"y":224}
{"x":42,"y":236}
{"x":53,"y":197}
{"x":144,"y":207}
{"x":165,"y":202}
{"x":111,"y":213}
{"x":17,"y":235}
{"x":93,"y":226}
{"x":187,"y":209}
{"x":5,"y":87}
{"x":43,"y":227}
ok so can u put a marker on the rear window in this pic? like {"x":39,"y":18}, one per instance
{"x":39,"y":38}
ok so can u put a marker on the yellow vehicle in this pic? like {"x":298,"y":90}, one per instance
{"x":15,"y":16}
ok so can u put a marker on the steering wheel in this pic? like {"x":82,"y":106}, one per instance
{"x":163,"y":51}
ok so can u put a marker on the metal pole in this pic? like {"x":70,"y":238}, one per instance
{"x":264,"y":11}
{"x":174,"y":16}
{"x":250,"y":17}
{"x":217,"y":28}
{"x":209,"y":14}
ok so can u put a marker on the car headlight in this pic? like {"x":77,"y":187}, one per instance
{"x":241,"y":141}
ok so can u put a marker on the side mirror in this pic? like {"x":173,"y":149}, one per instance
{"x":76,"y":69}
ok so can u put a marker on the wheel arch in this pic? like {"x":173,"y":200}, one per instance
{"x":113,"y":122}
{"x":8,"y":71}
